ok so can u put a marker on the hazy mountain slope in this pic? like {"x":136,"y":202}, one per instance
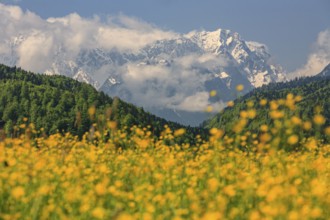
{"x":325,"y":72}
{"x":314,"y":90}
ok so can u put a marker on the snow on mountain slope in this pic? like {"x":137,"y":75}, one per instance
{"x":82,"y":76}
{"x":8,"y":48}
{"x":251,"y":57}
{"x":169,"y":77}
{"x":325,"y":72}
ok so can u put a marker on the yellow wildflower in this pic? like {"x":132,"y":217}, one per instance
{"x":112,"y":124}
{"x":252,"y":113}
{"x":239,"y":87}
{"x":263,"y":102}
{"x":100,"y":189}
{"x":179,"y":132}
{"x":229,"y":190}
{"x":17,"y":192}
{"x":213,"y":184}
{"x":91,"y":111}
{"x":327,"y":131}
{"x":99,"y":213}
{"x":212,"y":216}
{"x":213,"y":93}
{"x":307,"y":125}
{"x":230,"y":104}
{"x":319,"y":119}
{"x":293,"y":139}
{"x":296,"y":120}
{"x":209,"y":108}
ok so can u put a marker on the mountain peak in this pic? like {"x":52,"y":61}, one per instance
{"x":211,"y":41}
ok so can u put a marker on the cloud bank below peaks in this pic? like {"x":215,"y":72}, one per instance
{"x":35,"y":41}
{"x":179,"y":85}
{"x":318,"y":59}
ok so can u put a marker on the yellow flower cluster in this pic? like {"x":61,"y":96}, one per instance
{"x":62,"y":177}
{"x":70,"y":179}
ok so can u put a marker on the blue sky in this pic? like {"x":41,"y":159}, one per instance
{"x":288,"y":27}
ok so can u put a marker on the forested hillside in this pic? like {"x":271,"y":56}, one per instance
{"x":311,"y":95}
{"x":60,"y":104}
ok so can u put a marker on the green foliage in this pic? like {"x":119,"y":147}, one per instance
{"x":315,"y":93}
{"x":60,"y":104}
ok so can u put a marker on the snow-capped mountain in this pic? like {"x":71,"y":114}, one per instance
{"x":251,"y":57}
{"x":222,"y":57}
{"x":171,"y":78}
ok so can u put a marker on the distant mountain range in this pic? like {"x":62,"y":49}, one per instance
{"x":170,"y":78}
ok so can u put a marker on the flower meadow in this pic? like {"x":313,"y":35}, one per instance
{"x":276,"y":173}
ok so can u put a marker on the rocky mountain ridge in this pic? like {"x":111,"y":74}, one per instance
{"x":171,"y":78}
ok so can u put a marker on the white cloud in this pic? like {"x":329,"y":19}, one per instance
{"x":178,"y":85}
{"x":195,"y":103}
{"x":318,"y":59}
{"x":4,"y":49}
{"x":37,"y":42}
{"x":159,"y":86}
{"x":12,"y":11}
{"x":73,"y":33}
{"x":37,"y":52}
{"x":126,"y":33}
